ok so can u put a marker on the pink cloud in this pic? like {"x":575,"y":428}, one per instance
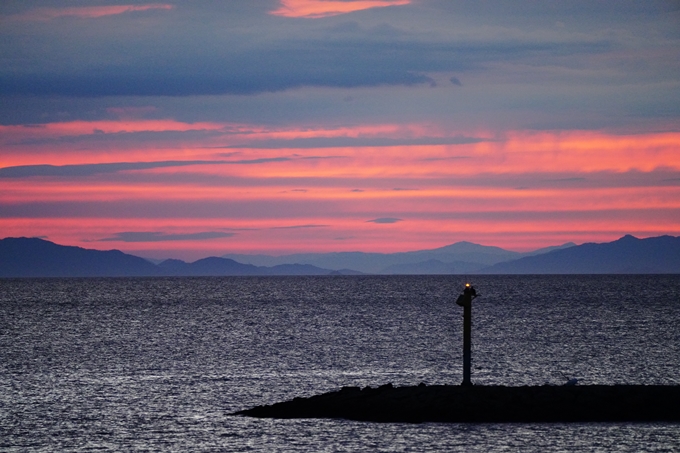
{"x":323,"y":8}
{"x":522,"y":190}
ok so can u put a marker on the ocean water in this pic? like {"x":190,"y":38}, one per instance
{"x":159,"y":364}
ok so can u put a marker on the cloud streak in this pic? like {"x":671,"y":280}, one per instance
{"x":314,"y":9}
{"x":295,"y":227}
{"x":83,"y":170}
{"x":144,"y":236}
{"x":85,"y":12}
{"x":364,"y":60}
{"x":382,"y":220}
{"x":350,"y":142}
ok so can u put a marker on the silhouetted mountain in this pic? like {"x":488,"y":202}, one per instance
{"x":433,"y":267}
{"x":296,"y":269}
{"x":346,"y":272}
{"x":461,"y":257}
{"x":32,"y":257}
{"x":628,"y":255}
{"x":212,"y":266}
{"x":549,"y":249}
{"x":172,"y":266}
{"x":358,"y":261}
{"x":215,"y":266}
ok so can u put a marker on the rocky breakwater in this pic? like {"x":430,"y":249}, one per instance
{"x":478,"y":404}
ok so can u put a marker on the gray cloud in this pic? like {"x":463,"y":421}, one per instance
{"x":435,"y":159}
{"x":122,"y":137}
{"x":555,"y":65}
{"x":295,"y":227}
{"x":24,"y":171}
{"x":285,"y":65}
{"x":153,"y":236}
{"x":81,"y":170}
{"x":283,"y":210}
{"x":263,"y":160}
{"x":122,"y":56}
{"x":384,"y":220}
{"x":318,"y":157}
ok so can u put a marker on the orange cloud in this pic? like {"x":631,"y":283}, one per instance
{"x":323,"y":8}
{"x":86,"y":12}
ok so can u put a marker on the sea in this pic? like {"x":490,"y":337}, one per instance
{"x":161,"y":364}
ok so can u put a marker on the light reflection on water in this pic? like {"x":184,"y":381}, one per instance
{"x":129,"y":364}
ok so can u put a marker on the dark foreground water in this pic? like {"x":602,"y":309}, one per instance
{"x":158,"y":364}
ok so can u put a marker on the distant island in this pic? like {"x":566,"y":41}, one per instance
{"x":459,"y":258}
{"x":34,"y":257}
{"x":627,"y":255}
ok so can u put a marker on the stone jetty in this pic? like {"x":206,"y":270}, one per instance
{"x":485,"y":404}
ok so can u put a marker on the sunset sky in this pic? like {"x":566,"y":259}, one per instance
{"x":186,"y":129}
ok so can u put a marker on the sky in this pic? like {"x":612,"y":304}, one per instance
{"x":177,"y":129}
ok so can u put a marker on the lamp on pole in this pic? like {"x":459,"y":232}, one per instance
{"x":465,"y":301}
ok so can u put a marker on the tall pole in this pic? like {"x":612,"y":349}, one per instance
{"x":467,"y":341}
{"x":465,"y":301}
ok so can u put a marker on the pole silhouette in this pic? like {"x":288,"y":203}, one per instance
{"x":465,"y":301}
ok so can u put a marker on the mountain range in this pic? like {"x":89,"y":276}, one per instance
{"x":33,"y":257}
{"x":459,"y":258}
{"x":628,"y":255}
